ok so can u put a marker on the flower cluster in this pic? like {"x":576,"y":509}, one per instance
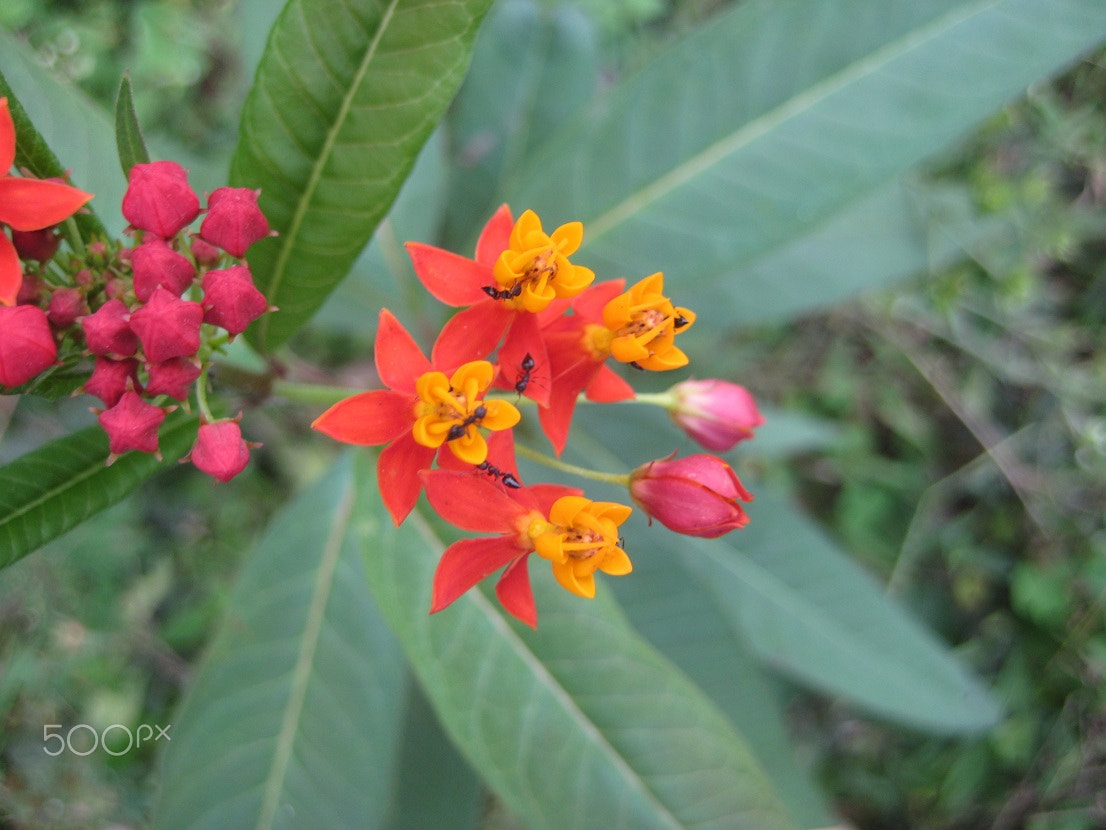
{"x":533,"y":324}
{"x":149,"y":315}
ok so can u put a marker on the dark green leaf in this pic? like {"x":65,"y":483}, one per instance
{"x":344,"y":97}
{"x":56,"y":487}
{"x":128,"y":135}
{"x":294,"y":718}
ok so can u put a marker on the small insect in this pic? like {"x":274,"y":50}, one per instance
{"x":523,"y":378}
{"x":502,"y":293}
{"x":622,"y":542}
{"x":680,"y":321}
{"x":458,"y":430}
{"x":634,"y":364}
{"x":507,"y":478}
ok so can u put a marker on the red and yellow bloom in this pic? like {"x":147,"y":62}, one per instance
{"x":26,"y":205}
{"x":578,"y":536}
{"x":518,"y":271}
{"x":422,"y":409}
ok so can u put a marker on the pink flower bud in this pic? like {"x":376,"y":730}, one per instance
{"x":27,"y":345}
{"x":155,"y":263}
{"x":106,"y":330}
{"x":167,"y":326}
{"x":39,"y":245}
{"x":66,"y":305}
{"x":696,"y":495}
{"x":234,"y":221}
{"x":132,"y":424}
{"x":30,"y":289}
{"x":231,"y":300}
{"x":716,"y":413}
{"x":172,"y":377}
{"x":159,"y":199}
{"x":220,"y":450}
{"x":204,"y":253}
{"x":111,"y":378}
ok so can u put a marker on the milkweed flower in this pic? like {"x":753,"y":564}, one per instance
{"x":26,"y":205}
{"x":716,"y":413}
{"x":518,"y":271}
{"x":422,"y":409}
{"x":697,"y":495}
{"x":576,"y":535}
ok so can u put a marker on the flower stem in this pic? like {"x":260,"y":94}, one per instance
{"x":584,"y":472}
{"x":312,"y":393}
{"x":201,"y":396}
{"x":73,"y":234}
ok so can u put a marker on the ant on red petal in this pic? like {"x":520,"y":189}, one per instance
{"x":502,"y":293}
{"x":507,"y":478}
{"x":523,"y":378}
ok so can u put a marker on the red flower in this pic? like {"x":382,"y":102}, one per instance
{"x":716,"y":413}
{"x":231,"y":300}
{"x":26,"y":205}
{"x":167,"y":326}
{"x":156,"y":264}
{"x":173,"y":377}
{"x":27,"y":345}
{"x":159,"y":199}
{"x":697,"y":495}
{"x":111,"y":378}
{"x":107,"y":330}
{"x":132,"y":424}
{"x":421,"y":410}
{"x":220,"y":450}
{"x":234,"y":221}
{"x":519,"y":270}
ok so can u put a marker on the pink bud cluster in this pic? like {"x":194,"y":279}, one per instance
{"x":149,"y":315}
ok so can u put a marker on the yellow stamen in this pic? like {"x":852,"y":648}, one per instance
{"x":535,"y":269}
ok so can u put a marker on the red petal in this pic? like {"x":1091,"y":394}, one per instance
{"x":471,"y":502}
{"x":7,"y":138}
{"x":589,"y":305}
{"x":524,"y":338}
{"x":495,"y":238}
{"x":399,"y":360}
{"x":33,"y":204}
{"x":11,"y":271}
{"x":397,"y":474}
{"x":375,"y":417}
{"x":608,"y":387}
{"x":557,"y":417}
{"x":471,"y":334}
{"x":515,"y":594}
{"x":452,"y":279}
{"x":466,"y":562}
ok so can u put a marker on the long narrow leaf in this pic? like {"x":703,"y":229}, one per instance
{"x":780,"y":114}
{"x":128,"y":133}
{"x":56,"y":487}
{"x":294,"y":717}
{"x":579,"y":724}
{"x":345,"y":95}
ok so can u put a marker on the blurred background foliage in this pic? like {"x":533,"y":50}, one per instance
{"x":966,"y":467}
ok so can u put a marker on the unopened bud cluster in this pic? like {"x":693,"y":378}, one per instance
{"x":150,"y":315}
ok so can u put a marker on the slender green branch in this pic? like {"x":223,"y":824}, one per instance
{"x":201,"y":396}
{"x":312,"y":393}
{"x":584,"y":472}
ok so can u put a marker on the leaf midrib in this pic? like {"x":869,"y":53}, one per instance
{"x":702,"y":161}
{"x":321,"y":160}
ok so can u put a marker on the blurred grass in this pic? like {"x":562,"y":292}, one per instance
{"x":970,"y":475}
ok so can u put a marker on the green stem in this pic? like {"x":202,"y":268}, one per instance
{"x":73,"y":234}
{"x":584,"y":472}
{"x":312,"y":393}
{"x":201,"y":396}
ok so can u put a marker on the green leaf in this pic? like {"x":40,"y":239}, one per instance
{"x":344,"y":97}
{"x":578,"y":724}
{"x":56,"y":487}
{"x":776,"y":117}
{"x":294,"y":717}
{"x":812,"y":614}
{"x":128,"y":135}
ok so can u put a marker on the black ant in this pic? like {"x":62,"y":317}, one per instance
{"x":458,"y":430}
{"x":523,"y":378}
{"x":502,"y":293}
{"x":507,"y":478}
{"x":680,"y":321}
